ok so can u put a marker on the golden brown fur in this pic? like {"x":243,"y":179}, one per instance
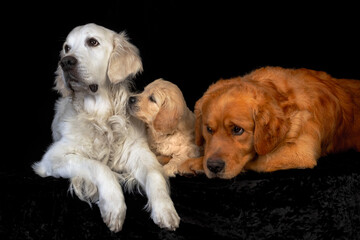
{"x":170,"y":123}
{"x":274,"y":119}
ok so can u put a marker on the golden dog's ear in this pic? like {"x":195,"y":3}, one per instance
{"x":271,"y":126}
{"x":169,"y":115}
{"x":60,"y":83}
{"x":124,"y":59}
{"x":199,"y":138}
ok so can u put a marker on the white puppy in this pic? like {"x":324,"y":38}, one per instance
{"x":96,"y":142}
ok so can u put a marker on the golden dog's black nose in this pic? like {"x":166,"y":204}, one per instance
{"x":215,"y":165}
{"x":68,"y":63}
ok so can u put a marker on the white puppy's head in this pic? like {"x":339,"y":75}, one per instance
{"x":93,"y":56}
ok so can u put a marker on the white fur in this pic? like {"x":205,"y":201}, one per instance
{"x":96,"y":143}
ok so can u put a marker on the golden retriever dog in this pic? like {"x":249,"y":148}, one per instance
{"x":97,"y":144}
{"x":170,"y":123}
{"x":274,"y":119}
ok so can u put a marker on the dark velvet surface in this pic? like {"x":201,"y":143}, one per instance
{"x":319,"y":203}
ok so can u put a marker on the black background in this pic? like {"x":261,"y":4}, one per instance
{"x":189,"y":43}
{"x":192,"y":44}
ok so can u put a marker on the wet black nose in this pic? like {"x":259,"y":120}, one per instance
{"x":215,"y":165}
{"x":68,"y":63}
{"x":132,"y":100}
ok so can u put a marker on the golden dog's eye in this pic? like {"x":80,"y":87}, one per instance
{"x":152,"y":99}
{"x":92,"y":42}
{"x":66,"y":48}
{"x":209,"y":129}
{"x":236,"y":130}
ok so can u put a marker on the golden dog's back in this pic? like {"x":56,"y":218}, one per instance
{"x":333,"y":103}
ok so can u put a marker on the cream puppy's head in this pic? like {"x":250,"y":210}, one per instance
{"x":161,"y":106}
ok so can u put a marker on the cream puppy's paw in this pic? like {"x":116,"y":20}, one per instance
{"x":171,"y":169}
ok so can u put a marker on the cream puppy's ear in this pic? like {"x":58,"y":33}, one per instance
{"x":169,"y":115}
{"x":60,"y":84}
{"x":124,"y":59}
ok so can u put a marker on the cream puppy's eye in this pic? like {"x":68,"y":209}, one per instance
{"x":92,"y":42}
{"x":152,"y":99}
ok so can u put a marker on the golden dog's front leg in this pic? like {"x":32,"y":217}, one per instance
{"x":192,"y":166}
{"x":291,"y":156}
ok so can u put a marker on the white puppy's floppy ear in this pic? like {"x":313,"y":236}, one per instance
{"x":124,"y":59}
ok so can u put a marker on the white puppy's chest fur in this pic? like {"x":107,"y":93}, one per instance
{"x":90,"y":122}
{"x":97,"y":105}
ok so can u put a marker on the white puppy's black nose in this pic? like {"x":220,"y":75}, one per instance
{"x":68,"y":63}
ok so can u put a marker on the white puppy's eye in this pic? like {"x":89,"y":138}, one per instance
{"x":92,"y":42}
{"x":152,"y":99}
{"x":66,"y":48}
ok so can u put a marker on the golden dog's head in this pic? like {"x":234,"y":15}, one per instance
{"x":161,"y":106}
{"x":237,"y":121}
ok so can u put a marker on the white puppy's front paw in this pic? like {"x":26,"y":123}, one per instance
{"x":39,"y":169}
{"x":113,"y":211}
{"x":43,"y":169}
{"x":165,"y":216}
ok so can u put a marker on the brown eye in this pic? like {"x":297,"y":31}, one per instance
{"x":236,"y":130}
{"x":92,"y":42}
{"x":152,"y":99}
{"x":66,"y":48}
{"x":209,"y":129}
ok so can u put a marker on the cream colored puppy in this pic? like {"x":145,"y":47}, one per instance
{"x":170,"y":123}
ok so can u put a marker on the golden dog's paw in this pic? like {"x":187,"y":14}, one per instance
{"x":191,"y":166}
